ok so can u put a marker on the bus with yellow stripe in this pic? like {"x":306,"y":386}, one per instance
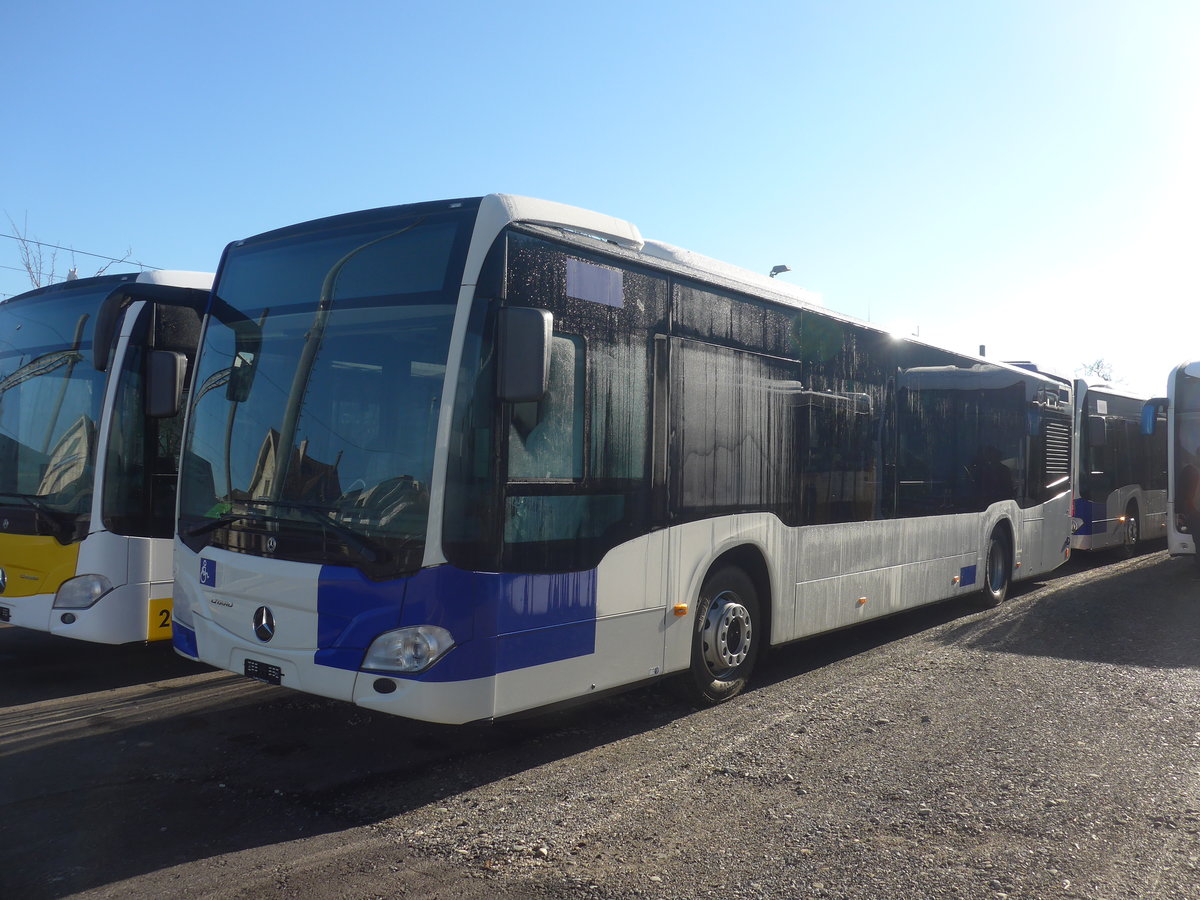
{"x":89,"y":456}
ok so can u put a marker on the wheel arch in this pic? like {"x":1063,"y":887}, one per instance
{"x":1004,"y":527}
{"x":751,"y":560}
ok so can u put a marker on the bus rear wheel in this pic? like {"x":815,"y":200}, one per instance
{"x":725,"y":637}
{"x":997,"y":569}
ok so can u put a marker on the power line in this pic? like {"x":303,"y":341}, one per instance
{"x":13,"y":237}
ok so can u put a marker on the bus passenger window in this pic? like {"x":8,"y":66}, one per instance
{"x":545,"y":438}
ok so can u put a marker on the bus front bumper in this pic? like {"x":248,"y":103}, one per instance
{"x":450,"y":703}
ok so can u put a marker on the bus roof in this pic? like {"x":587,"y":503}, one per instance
{"x":172,"y":277}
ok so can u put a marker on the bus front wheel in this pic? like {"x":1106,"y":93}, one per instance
{"x":1131,"y":533}
{"x":725,"y":637}
{"x":997,"y":569}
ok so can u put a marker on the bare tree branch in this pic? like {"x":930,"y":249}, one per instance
{"x":125,"y":258}
{"x":32,"y":255}
{"x":42,"y":270}
{"x":1099,"y":368}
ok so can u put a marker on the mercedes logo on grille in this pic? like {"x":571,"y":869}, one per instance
{"x":271,"y":544}
{"x":3,"y":580}
{"x":264,"y":624}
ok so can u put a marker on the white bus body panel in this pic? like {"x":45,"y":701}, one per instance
{"x":222,"y":616}
{"x":819,"y":575}
{"x":140,"y":569}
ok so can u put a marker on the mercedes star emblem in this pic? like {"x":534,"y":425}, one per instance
{"x":264,"y":624}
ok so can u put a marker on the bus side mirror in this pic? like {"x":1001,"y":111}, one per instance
{"x":164,"y":383}
{"x":524,"y":359}
{"x":1097,"y":432}
{"x":1150,"y":413}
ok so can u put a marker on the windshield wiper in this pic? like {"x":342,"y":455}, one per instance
{"x":59,"y":529}
{"x":220,"y":521}
{"x":365,"y":548}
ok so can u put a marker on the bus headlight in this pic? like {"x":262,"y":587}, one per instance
{"x":81,"y":592}
{"x":412,"y":649}
{"x":1181,"y":524}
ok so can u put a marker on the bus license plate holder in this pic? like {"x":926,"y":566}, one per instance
{"x":5,"y":614}
{"x":261,"y":671}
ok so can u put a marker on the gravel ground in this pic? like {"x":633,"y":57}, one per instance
{"x":1050,"y":748}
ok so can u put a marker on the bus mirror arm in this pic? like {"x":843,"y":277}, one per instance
{"x":1151,"y":410}
{"x":524,"y":359}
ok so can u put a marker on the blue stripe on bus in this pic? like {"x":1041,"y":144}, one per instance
{"x":966,"y":576}
{"x":184,"y":640}
{"x":1085,"y":511}
{"x":500,"y":622}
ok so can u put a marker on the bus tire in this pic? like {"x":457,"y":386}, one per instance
{"x":726,"y":635}
{"x":997,"y":569}
{"x":1131,"y":532}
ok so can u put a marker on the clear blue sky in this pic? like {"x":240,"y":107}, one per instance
{"x":984,"y":172}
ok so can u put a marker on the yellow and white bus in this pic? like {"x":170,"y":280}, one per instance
{"x":88,"y":458}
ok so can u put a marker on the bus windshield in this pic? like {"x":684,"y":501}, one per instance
{"x":50,"y":399}
{"x":326,"y":455}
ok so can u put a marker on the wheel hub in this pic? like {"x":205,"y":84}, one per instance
{"x":727,"y":633}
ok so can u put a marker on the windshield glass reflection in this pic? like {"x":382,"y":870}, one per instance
{"x":336,"y":433}
{"x":50,"y":398}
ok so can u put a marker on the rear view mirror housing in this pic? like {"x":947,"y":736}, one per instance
{"x":165,"y":372}
{"x":524,"y":357}
{"x":1150,"y":413}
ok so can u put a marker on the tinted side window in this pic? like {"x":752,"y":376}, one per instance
{"x":576,"y":464}
{"x":961,"y":446}
{"x":142,"y":469}
{"x":745,"y":322}
{"x":734,"y":416}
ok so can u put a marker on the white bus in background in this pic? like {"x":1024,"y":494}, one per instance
{"x":1120,"y":472}
{"x":460,"y":459}
{"x":1181,"y":407}
{"x":88,"y":458}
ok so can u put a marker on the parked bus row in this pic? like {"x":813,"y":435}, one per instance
{"x":457,"y":460}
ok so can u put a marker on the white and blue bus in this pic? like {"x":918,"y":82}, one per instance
{"x":1120,"y":473}
{"x":457,"y":460}
{"x":87,"y":460}
{"x":1182,"y":410}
